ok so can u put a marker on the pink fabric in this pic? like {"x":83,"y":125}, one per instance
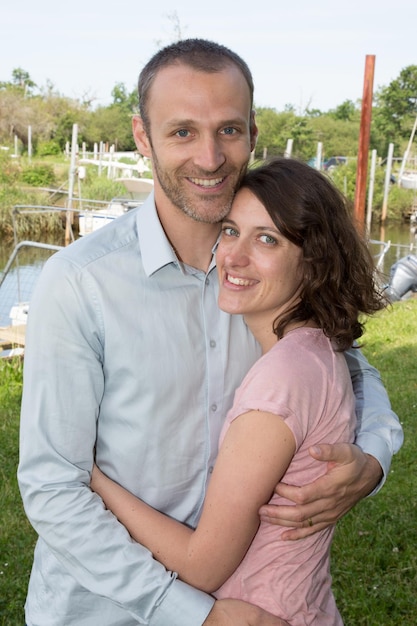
{"x":304,"y":381}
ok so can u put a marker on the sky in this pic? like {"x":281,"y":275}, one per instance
{"x":304,"y":53}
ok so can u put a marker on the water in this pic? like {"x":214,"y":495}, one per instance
{"x":17,"y":285}
{"x":20,"y":281}
{"x":403,"y":242}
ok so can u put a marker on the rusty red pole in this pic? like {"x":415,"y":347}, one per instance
{"x":364,"y":137}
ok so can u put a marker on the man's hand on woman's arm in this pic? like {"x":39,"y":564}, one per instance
{"x":238,"y":613}
{"x":351,"y":475}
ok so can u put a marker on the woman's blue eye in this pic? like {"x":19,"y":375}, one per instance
{"x":268,"y":239}
{"x":230,"y":231}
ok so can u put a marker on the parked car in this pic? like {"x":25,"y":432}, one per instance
{"x":333,"y":162}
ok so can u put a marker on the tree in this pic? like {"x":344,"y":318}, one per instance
{"x":22,"y":79}
{"x":395,"y":110}
{"x":21,"y":82}
{"x":111,"y":124}
{"x":399,"y":99}
{"x":123,"y":99}
{"x":345,"y":111}
{"x":339,"y":137}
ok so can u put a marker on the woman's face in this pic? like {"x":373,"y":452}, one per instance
{"x":259,"y":269}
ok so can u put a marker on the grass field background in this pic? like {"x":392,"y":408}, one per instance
{"x":374,"y":556}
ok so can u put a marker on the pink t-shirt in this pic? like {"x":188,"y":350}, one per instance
{"x":303,"y":380}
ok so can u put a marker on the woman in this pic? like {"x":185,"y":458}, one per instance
{"x":290,"y":260}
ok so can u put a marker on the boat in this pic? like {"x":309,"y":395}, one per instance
{"x":408,"y":180}
{"x":403,"y":279}
{"x":139,"y":188}
{"x":90,"y":220}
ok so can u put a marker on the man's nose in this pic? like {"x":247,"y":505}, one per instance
{"x":209,"y":154}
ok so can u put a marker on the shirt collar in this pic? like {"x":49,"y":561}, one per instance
{"x":155,"y":247}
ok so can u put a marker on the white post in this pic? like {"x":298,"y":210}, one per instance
{"x":72,"y":172}
{"x":100,"y":158}
{"x":387,"y":182}
{"x":72,"y":165}
{"x":288,"y":149}
{"x":110,"y":166}
{"x":319,"y":155}
{"x":95,"y":151}
{"x":407,"y":152}
{"x":370,"y":193}
{"x":16,"y":153}
{"x":30,"y":142}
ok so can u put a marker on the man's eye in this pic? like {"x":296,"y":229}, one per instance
{"x":229,"y":130}
{"x":182,"y":133}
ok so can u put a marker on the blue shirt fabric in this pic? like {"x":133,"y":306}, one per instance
{"x":127,"y":353}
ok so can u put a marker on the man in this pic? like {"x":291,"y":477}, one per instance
{"x":128,"y":356}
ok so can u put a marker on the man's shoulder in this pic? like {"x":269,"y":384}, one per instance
{"x":119,"y":235}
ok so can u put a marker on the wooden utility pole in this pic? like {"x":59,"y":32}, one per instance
{"x":364,"y":136}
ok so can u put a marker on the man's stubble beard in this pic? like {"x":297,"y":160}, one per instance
{"x":179,"y":199}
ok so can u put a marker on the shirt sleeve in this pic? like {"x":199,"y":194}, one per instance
{"x":379,"y":432}
{"x":63,"y":386}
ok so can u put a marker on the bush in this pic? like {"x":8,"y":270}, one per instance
{"x":9,"y":169}
{"x":38,"y":175}
{"x":400,"y":201}
{"x":49,"y":148}
{"x":100,"y":188}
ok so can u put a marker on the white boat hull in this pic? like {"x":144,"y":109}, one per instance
{"x":408,"y":181}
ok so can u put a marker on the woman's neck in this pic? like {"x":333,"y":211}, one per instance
{"x":264,"y":334}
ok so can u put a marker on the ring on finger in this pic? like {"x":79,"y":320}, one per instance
{"x":310,"y":522}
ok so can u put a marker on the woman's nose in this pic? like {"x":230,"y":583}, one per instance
{"x":237,"y":254}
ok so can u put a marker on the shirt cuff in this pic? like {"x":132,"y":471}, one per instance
{"x":378,"y":448}
{"x":182,"y":605}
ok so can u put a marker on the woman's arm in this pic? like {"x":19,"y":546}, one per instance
{"x":254,"y":456}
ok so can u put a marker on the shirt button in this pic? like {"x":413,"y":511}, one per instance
{"x":214,"y":407}
{"x":212,"y":343}
{"x":207,"y":281}
{"x":210,"y":469}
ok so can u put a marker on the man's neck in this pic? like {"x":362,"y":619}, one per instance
{"x":193,"y":246}
{"x":192,"y":241}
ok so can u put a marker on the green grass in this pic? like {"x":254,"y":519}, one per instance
{"x":17,"y":538}
{"x":374,"y":557}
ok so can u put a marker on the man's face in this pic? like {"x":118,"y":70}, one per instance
{"x":200,"y":139}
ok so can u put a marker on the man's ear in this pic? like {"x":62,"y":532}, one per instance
{"x":140,"y":136}
{"x":253,"y":131}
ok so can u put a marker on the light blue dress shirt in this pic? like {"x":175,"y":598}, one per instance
{"x":128,"y":353}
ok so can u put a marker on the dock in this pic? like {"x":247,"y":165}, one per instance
{"x":12,"y":341}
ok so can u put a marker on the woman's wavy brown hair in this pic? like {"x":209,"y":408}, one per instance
{"x":339,"y":278}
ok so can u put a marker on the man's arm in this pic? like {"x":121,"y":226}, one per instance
{"x":354,"y":470}
{"x":238,"y":613}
